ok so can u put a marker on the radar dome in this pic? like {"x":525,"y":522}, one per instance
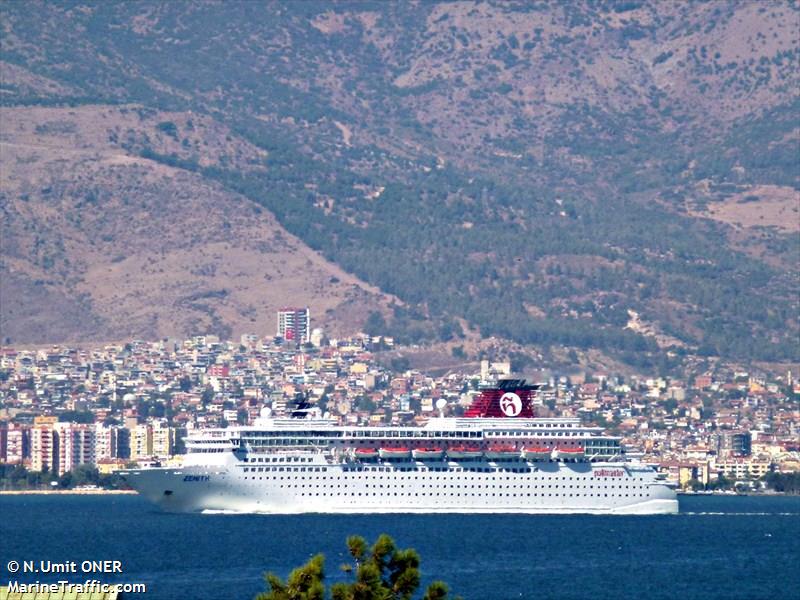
{"x":129,"y":397}
{"x":441,"y":403}
{"x":266,"y":412}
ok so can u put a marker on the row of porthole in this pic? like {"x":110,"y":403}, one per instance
{"x":535,"y":487}
{"x":438,"y":478}
{"x":465,"y":494}
{"x":281,"y":475}
{"x":401,"y":474}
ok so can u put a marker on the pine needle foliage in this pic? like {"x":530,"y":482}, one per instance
{"x":380,"y":572}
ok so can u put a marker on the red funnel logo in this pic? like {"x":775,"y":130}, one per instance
{"x":510,"y":404}
{"x":510,"y":398}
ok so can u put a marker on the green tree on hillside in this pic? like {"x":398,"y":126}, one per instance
{"x":375,"y":324}
{"x":382,"y":572}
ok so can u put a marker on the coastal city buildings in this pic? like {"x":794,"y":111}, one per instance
{"x":17,"y":444}
{"x":61,"y":407}
{"x":3,"y":441}
{"x":76,"y":445}
{"x":294,"y":324}
{"x":44,"y":446}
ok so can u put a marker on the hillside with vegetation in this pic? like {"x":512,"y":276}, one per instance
{"x":620,"y":176}
{"x":100,"y":243}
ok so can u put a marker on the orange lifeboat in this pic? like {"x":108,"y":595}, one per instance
{"x":428,"y":453}
{"x":540,"y":453}
{"x":569,"y":453}
{"x":366,"y":453}
{"x":394,"y":453}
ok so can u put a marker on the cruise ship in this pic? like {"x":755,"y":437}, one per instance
{"x":497,"y":458}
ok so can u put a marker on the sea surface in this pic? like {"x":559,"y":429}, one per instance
{"x":718,"y":547}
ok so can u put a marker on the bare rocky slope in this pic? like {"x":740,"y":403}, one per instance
{"x":102,"y":244}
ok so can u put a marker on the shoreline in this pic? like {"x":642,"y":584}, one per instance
{"x":60,"y":492}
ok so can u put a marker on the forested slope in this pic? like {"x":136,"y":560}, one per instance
{"x":542,"y":170}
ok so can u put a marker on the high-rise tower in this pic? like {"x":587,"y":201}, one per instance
{"x":294,"y":324}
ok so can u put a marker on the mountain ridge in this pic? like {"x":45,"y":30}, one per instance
{"x":400,"y":140}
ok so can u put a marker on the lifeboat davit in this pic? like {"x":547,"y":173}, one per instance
{"x":464,"y":453}
{"x":501,"y":452}
{"x":537,"y":453}
{"x":568,"y":453}
{"x":428,"y":453}
{"x":389,"y":453}
{"x":366,"y":453}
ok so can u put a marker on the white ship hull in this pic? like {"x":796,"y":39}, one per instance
{"x":313,"y":465}
{"x":317,"y":487}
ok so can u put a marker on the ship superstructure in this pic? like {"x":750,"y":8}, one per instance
{"x":497,"y":458}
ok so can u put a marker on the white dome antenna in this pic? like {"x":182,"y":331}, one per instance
{"x":441,"y":403}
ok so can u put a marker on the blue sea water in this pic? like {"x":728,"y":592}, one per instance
{"x":719,"y":547}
